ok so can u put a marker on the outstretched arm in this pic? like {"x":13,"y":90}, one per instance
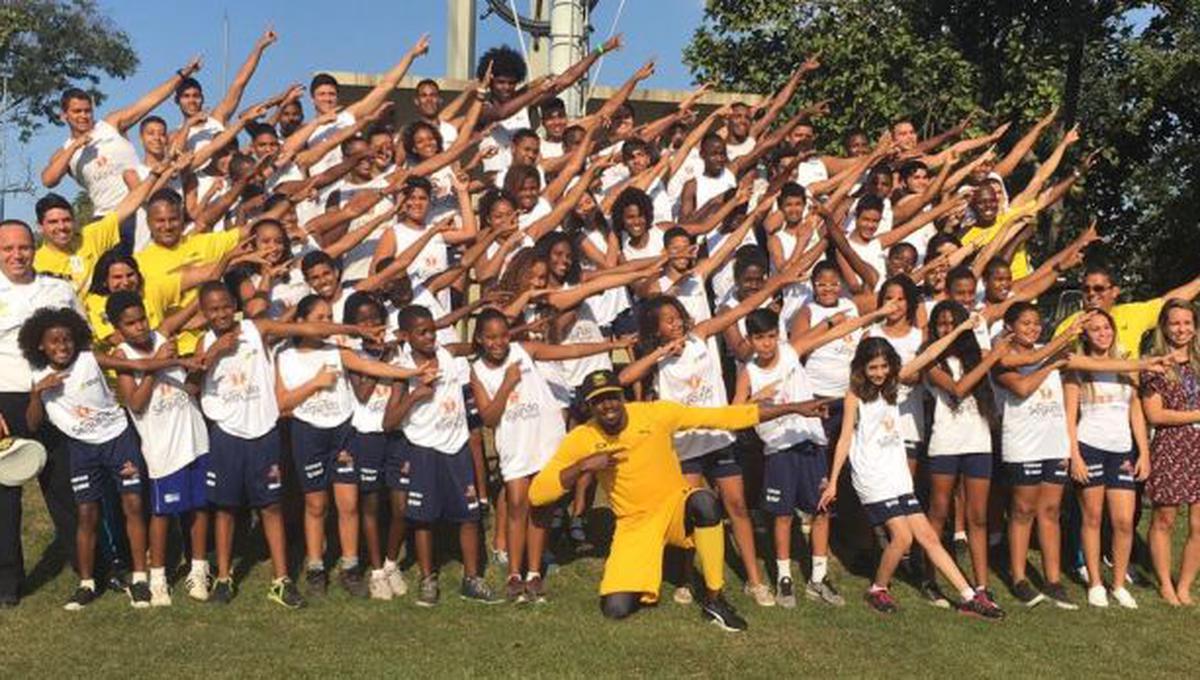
{"x":123,"y":119}
{"x":388,"y":82}
{"x":1013,"y":158}
{"x":241,"y":79}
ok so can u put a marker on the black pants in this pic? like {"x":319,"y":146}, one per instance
{"x":55,"y":482}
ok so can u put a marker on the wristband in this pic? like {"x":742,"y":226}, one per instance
{"x":598,"y":50}
{"x":181,"y":74}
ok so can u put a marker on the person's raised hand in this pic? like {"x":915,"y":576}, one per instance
{"x":512,"y":374}
{"x":51,"y":381}
{"x":268,"y":37}
{"x":192,"y":66}
{"x":604,"y":460}
{"x":614,"y":43}
{"x":811,"y":63}
{"x":645,"y":71}
{"x":422,"y":45}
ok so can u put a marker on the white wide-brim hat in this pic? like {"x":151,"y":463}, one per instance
{"x":20,"y":460}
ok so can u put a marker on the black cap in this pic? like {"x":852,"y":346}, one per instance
{"x":599,"y":382}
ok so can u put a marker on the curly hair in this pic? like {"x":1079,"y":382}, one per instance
{"x":506,"y":63}
{"x":649,"y":312}
{"x":35,"y":327}
{"x":869,"y":350}
{"x":635,"y":197}
{"x":409,"y":136}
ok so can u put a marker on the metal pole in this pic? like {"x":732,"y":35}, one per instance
{"x":3,"y":145}
{"x":460,"y":39}
{"x":566,"y":32}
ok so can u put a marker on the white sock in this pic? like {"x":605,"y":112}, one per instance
{"x":960,"y":535}
{"x":139,"y":577}
{"x":315,"y":565}
{"x":820,"y":568}
{"x":390,"y":565}
{"x":158,"y":574}
{"x":377,"y":573}
{"x":349,"y":563}
{"x":530,"y":575}
{"x":967,"y":594}
{"x":200,"y":567}
{"x":875,"y":587}
{"x":784,"y":567}
{"x":88,"y":583}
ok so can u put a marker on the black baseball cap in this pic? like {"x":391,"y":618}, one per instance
{"x":598,"y":383}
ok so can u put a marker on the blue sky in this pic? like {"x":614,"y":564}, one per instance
{"x":361,"y":36}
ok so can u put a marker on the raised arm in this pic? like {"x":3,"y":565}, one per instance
{"x":784,"y":95}
{"x":898,"y":234}
{"x":910,"y":205}
{"x":931,"y":352}
{"x":1013,"y":158}
{"x":378,"y":94}
{"x":123,"y":119}
{"x":241,"y":79}
{"x":1045,"y":170}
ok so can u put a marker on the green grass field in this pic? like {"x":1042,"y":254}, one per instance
{"x":567,"y":636}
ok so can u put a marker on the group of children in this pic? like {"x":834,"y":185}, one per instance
{"x":349,"y":307}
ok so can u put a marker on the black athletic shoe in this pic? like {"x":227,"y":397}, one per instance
{"x":352,"y":582}
{"x":721,"y":613}
{"x":284,"y":592}
{"x":982,"y":607}
{"x":139,"y":594}
{"x":1057,"y":594}
{"x":222,"y":591}
{"x":316,"y":582}
{"x":80,"y":599}
{"x":1029,"y":596}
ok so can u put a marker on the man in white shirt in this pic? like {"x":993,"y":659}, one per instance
{"x":22,"y":292}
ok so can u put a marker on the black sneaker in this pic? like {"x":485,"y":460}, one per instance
{"x":81,"y":598}
{"x":316,"y":582}
{"x":284,"y":591}
{"x":1029,"y":596}
{"x":222,"y":591}
{"x":721,"y":613}
{"x":352,"y":582}
{"x":1058,"y":595}
{"x":514,"y":590}
{"x":139,"y":594}
{"x":475,"y":589}
{"x":785,"y":593}
{"x":535,"y":589}
{"x":981,"y":606}
{"x":428,"y":593}
{"x":934,"y":595}
{"x":881,"y":601}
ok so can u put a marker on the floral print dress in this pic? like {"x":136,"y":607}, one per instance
{"x":1175,"y":449}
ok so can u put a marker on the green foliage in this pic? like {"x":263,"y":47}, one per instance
{"x":47,"y":46}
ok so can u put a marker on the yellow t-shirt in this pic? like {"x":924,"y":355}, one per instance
{"x":649,"y":475}
{"x":77,"y":264}
{"x":157,"y":297}
{"x":985,"y":235}
{"x":157,"y":262}
{"x":1133,"y":319}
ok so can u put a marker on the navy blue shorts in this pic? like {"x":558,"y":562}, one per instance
{"x":322,"y":456}
{"x":243,"y":472}
{"x":118,"y":459}
{"x":370,"y":451}
{"x":915,"y":450}
{"x":441,"y":486}
{"x":832,"y":423}
{"x":1110,"y":469}
{"x":397,"y":470}
{"x":474,"y":420}
{"x":714,"y":465}
{"x":972,"y":465}
{"x":181,"y":491}
{"x":793,"y":478}
{"x":900,"y":506}
{"x":1049,"y":471}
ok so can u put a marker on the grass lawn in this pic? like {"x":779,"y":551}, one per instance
{"x":568,"y":637}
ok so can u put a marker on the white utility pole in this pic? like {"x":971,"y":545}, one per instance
{"x":460,"y":39}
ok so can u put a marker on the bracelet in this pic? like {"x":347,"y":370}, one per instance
{"x":598,"y":50}
{"x":179,"y":72}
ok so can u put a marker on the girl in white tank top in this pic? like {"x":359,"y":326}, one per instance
{"x":900,"y":329}
{"x":828,"y":366}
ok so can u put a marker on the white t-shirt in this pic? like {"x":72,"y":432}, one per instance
{"x":18,"y":302}
{"x":829,"y":365}
{"x":344,"y":120}
{"x":653,"y":247}
{"x":722,"y":279}
{"x":1104,"y":412}
{"x":449,"y":133}
{"x":872,"y":253}
{"x":811,"y":171}
{"x":734,"y":151}
{"x":238,"y":392}
{"x":172,"y":427}
{"x":98,"y":166}
{"x":1034,"y":428}
{"x":532,"y":425}
{"x":356,"y":263}
{"x":910,"y":398}
{"x":501,"y":139}
{"x":325,"y":408}
{"x":708,"y":187}
{"x":878,"y":463}
{"x":958,"y":426}
{"x":203,"y":134}
{"x":83,"y":407}
{"x":368,"y":417}
{"x":440,"y":422}
{"x":694,"y":379}
{"x":433,"y":258}
{"x":791,"y":386}
{"x":795,"y":295}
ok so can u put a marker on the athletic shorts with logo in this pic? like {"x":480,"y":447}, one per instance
{"x":713,"y":465}
{"x":184,"y":490}
{"x":243,"y":472}
{"x":900,"y":506}
{"x":441,"y":485}
{"x":322,"y":455}
{"x":1113,"y":469}
{"x":378,"y":457}
{"x":971,"y":465}
{"x":793,"y":479}
{"x":118,"y":459}
{"x":1032,"y":473}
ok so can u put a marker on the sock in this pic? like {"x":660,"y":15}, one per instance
{"x":967,"y":594}
{"x":995,"y":539}
{"x":315,"y":565}
{"x":710,"y":548}
{"x":531,"y":574}
{"x":200,"y":566}
{"x":158,"y":574}
{"x":784,"y":567}
{"x":377,"y":573}
{"x":960,"y":536}
{"x":390,"y":565}
{"x":820,"y":568}
{"x":139,"y":577}
{"x":88,"y":583}
{"x":348,"y":563}
{"x":279,"y":580}
{"x":875,"y":587}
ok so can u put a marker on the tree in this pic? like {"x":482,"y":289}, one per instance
{"x":47,"y":46}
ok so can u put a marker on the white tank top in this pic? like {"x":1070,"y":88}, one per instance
{"x":432,"y":259}
{"x":585,"y":329}
{"x":872,"y":253}
{"x":440,"y":422}
{"x":708,"y":187}
{"x":501,"y":139}
{"x":608,"y":304}
{"x":878,"y":463}
{"x":206,"y":194}
{"x":910,"y":398}
{"x":1104,"y":413}
{"x":694,"y":379}
{"x":1034,"y":428}
{"x":791,"y":385}
{"x":532,"y":425}
{"x":202,"y":135}
{"x":811,"y":171}
{"x":722,"y":279}
{"x":795,"y":295}
{"x":344,"y":120}
{"x":172,"y":427}
{"x":828,"y":366}
{"x":99,"y":165}
{"x":356,"y":263}
{"x":328,"y":407}
{"x":653,"y":247}
{"x":691,"y":294}
{"x":958,"y":426}
{"x":368,"y":417}
{"x":83,"y":407}
{"x":239,"y":389}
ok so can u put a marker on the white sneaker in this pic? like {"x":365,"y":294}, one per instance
{"x":379,"y":587}
{"x":500,"y":557}
{"x":682,"y":595}
{"x":761,"y":594}
{"x":1082,"y":573}
{"x":197,"y":586}
{"x":1124,"y":598}
{"x":160,"y":594}
{"x":1097,"y":596}
{"x":395,"y":581}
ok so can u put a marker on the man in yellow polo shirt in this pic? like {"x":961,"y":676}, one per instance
{"x":630,"y":448}
{"x":990,"y":222}
{"x":170,"y":252}
{"x":72,"y":255}
{"x":1132,"y":319}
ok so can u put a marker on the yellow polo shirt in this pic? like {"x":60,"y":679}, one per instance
{"x":77,"y":264}
{"x":157,"y":263}
{"x":985,"y":235}
{"x":1133,"y":319}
